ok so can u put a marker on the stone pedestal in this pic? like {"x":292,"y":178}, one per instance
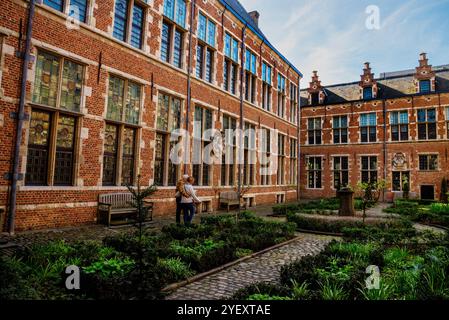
{"x":346,"y":202}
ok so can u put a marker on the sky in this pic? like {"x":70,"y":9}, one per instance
{"x":332,"y":37}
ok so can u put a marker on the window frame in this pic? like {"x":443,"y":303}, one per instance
{"x":402,"y":174}
{"x":250,"y":74}
{"x":426,"y":124}
{"x":370,"y":128}
{"x":293,"y":174}
{"x":428,"y":89}
{"x":314,"y":132}
{"x":293,"y":103}
{"x":129,"y":23}
{"x":122,"y":125}
{"x":365,"y":94}
{"x":337,"y":131}
{"x":249,"y":154}
{"x":282,"y":95}
{"x":341,"y":172}
{"x":267,"y":86}
{"x":199,"y":180}
{"x":399,"y":126}
{"x":265,"y":147}
{"x":369,"y":170}
{"x":66,"y":10}
{"x":173,"y":29}
{"x":314,"y":168}
{"x":228,"y":170}
{"x":280,"y":177}
{"x":429,"y":166}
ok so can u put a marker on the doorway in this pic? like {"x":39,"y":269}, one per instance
{"x":428,"y":193}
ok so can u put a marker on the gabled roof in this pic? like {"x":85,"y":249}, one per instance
{"x":391,"y":85}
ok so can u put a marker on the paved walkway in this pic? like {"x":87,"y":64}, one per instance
{"x":263,"y":268}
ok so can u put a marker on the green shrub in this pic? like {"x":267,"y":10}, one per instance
{"x":177,"y":270}
{"x":107,"y":268}
{"x":439,"y":208}
{"x":266,"y":297}
{"x":261,"y":288}
{"x":322,"y":225}
{"x":283,"y":209}
{"x":241,"y":253}
{"x":180,"y":232}
{"x":332,"y":291}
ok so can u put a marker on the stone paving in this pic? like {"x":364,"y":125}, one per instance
{"x":263,"y":268}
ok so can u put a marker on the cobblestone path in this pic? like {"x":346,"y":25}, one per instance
{"x":262,"y":268}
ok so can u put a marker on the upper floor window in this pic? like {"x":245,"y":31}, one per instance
{"x":230,"y":68}
{"x":77,"y":9}
{"x":399,"y":125}
{"x":129,"y":18}
{"x":281,"y":95}
{"x":250,"y":76}
{"x":314,"y":127}
{"x":266,"y":86}
{"x":425,"y":86}
{"x":206,"y":30}
{"x":172,"y":44}
{"x":175,"y":10}
{"x":340,"y":129}
{"x":315,"y":98}
{"x":168,"y":120}
{"x":368,"y":123}
{"x":58,"y":82}
{"x":367,"y":93}
{"x":293,"y":103}
{"x":427,"y":124}
{"x":231,"y":48}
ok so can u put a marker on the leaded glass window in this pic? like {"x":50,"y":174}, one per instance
{"x":368,"y":127}
{"x":123,"y":106}
{"x":48,"y":92}
{"x":427,"y":125}
{"x":128,"y":156}
{"x":128,"y":11}
{"x":110,"y":155}
{"x":65,"y":143}
{"x":78,"y":9}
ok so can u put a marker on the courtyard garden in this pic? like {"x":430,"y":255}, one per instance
{"x":134,"y":265}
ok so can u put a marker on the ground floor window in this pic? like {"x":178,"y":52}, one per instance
{"x":369,"y":169}
{"x":341,"y":172}
{"x":401,"y":181}
{"x":314,"y":168}
{"x":51,"y":145}
{"x":119,"y":155}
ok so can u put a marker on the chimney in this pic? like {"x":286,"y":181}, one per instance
{"x":367,"y":65}
{"x":255,"y":16}
{"x":423,"y":56}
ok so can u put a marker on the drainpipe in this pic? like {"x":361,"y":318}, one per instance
{"x":20,"y":119}
{"x":242,"y":75}
{"x":298,"y":155}
{"x":189,"y":81}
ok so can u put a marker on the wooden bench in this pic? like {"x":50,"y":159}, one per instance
{"x":229,"y":198}
{"x":119,"y":204}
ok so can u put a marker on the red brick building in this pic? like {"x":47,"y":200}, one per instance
{"x":395,"y":128}
{"x":106,"y":82}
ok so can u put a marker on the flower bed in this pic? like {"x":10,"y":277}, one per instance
{"x":433,"y":213}
{"x":410,"y":269}
{"x":121,"y":268}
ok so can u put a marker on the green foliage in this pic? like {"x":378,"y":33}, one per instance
{"x":261,"y":288}
{"x":177,"y":270}
{"x":266,"y":297}
{"x":241,"y":253}
{"x":439,"y":208}
{"x":300,"y":291}
{"x":107,"y":268}
{"x":332,"y":291}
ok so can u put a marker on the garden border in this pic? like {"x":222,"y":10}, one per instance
{"x":175,"y":286}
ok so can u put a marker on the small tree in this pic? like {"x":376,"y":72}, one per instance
{"x":241,"y":192}
{"x":138,"y":202}
{"x":370,"y":193}
{"x":444,"y":191}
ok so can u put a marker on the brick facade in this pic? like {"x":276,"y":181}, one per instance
{"x":391,"y":92}
{"x":101,"y":55}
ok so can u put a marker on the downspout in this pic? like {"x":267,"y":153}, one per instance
{"x":242,"y":74}
{"x":298,"y":156}
{"x":20,"y":120}
{"x":384,"y":107}
{"x":189,"y":83}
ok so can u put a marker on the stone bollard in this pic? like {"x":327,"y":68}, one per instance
{"x":346,"y":197}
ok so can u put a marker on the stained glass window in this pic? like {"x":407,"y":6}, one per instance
{"x":128,"y":156}
{"x":46,"y":80}
{"x":159,"y":160}
{"x":65,"y":141}
{"x":110,"y":155}
{"x":38,"y":143}
{"x":199,"y":61}
{"x":209,"y":56}
{"x":132,"y":104}
{"x":71,"y":86}
{"x":115,"y":98}
{"x":162,"y":112}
